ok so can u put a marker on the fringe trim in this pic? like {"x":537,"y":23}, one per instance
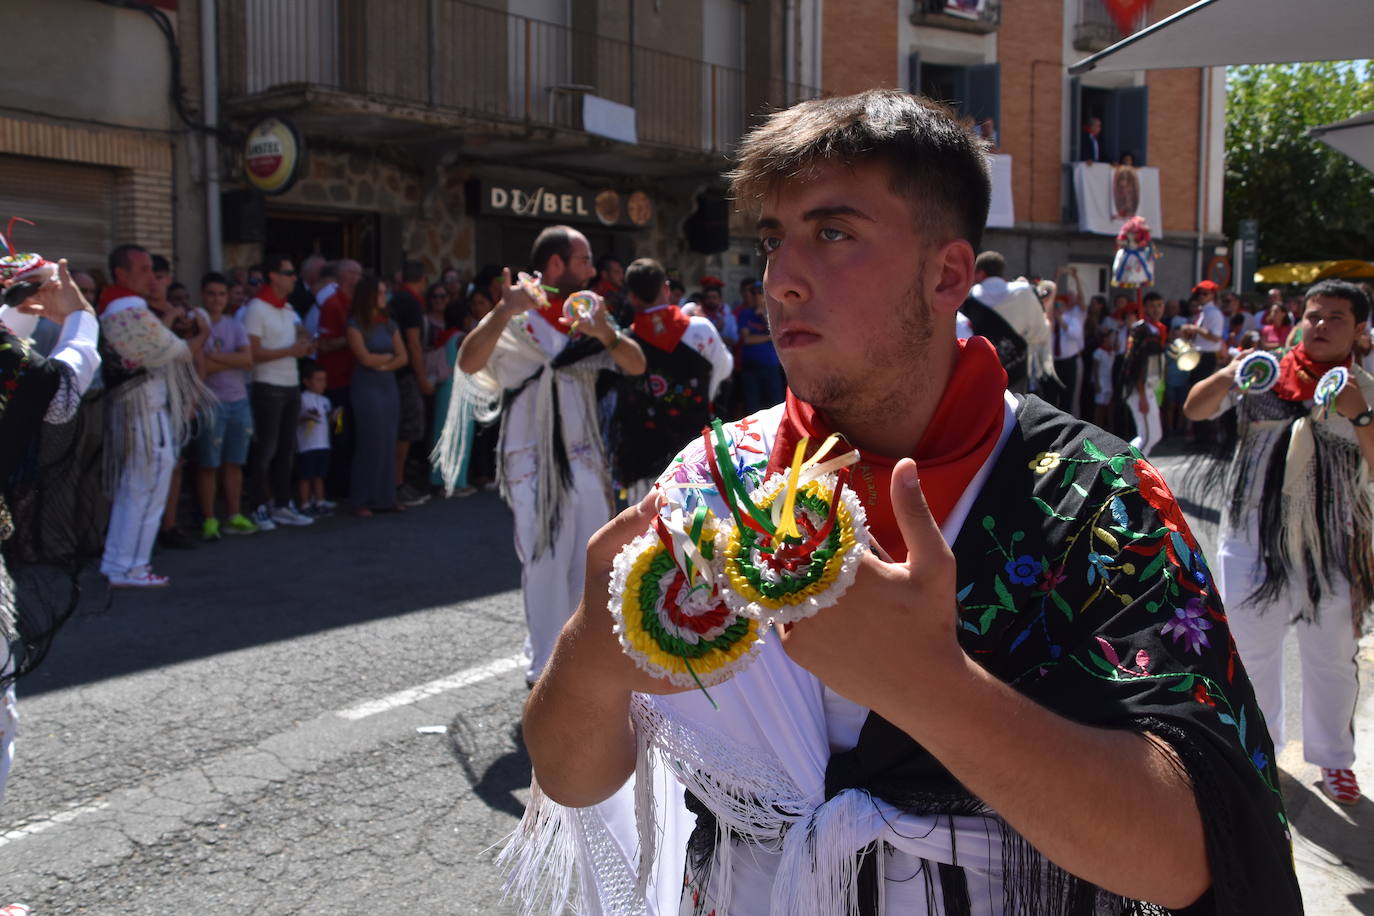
{"x":131,"y":427}
{"x":539,"y":856}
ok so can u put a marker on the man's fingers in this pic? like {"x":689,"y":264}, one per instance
{"x":919,"y":531}
{"x":623,"y":529}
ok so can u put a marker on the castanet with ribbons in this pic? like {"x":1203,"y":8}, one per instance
{"x":692,"y":596}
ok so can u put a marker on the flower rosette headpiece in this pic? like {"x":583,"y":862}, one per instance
{"x":1329,"y":387}
{"x":20,"y":266}
{"x":792,"y":546}
{"x":1257,"y":372}
{"x":668,"y":609}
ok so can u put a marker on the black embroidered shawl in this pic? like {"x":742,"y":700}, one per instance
{"x":1081,"y":585}
{"x":659,"y":412}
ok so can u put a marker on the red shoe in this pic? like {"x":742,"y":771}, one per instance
{"x":1340,"y":786}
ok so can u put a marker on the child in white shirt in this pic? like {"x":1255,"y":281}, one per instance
{"x":1103,"y":357}
{"x":312,"y":443}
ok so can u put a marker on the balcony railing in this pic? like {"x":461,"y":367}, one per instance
{"x":456,"y":56}
{"x":1096,"y":29}
{"x":981,"y":16}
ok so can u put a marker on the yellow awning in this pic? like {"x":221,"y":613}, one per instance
{"x":1312,"y":271}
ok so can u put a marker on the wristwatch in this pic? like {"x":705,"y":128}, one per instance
{"x":1365,"y":418}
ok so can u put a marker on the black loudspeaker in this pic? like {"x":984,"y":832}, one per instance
{"x":243,"y":217}
{"x":708,"y":228}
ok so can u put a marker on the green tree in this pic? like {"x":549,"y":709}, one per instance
{"x":1312,"y":202}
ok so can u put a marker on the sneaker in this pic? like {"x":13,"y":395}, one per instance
{"x":210,"y":530}
{"x":318,"y":510}
{"x":407,"y":495}
{"x":463,"y":492}
{"x":240,"y":524}
{"x":262,"y":518}
{"x":328,"y":505}
{"x":174,"y":539}
{"x":1340,"y":786}
{"x":287,"y":515}
{"x":139,"y":577}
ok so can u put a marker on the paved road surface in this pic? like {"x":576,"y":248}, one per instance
{"x":247,"y":741}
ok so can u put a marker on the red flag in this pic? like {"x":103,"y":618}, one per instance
{"x":1126,"y":13}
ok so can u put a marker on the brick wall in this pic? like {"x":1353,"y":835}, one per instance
{"x":1028,"y":48}
{"x":1173,"y":137}
{"x":143,"y":186}
{"x":859,"y":47}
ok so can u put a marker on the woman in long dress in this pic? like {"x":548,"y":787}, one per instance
{"x":375,"y":342}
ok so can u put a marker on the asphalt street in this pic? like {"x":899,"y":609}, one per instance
{"x":324,"y":721}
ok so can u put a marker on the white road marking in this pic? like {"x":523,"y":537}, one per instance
{"x":62,"y":817}
{"x":464,"y":678}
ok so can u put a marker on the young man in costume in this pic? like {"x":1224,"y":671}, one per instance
{"x":153,"y":395}
{"x":1027,"y":702}
{"x":1142,"y":370}
{"x":531,"y":367}
{"x":666,"y":407}
{"x":1296,"y":533}
{"x":35,"y":391}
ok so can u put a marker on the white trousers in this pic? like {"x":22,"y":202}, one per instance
{"x":552,"y":583}
{"x":1330,"y":672}
{"x":9,"y":727}
{"x":1147,"y":424}
{"x":139,"y":499}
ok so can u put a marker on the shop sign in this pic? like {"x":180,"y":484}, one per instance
{"x":607,"y":206}
{"x":272,"y":156}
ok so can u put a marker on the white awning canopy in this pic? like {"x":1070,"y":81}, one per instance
{"x":1353,"y":136}
{"x":1214,"y":33}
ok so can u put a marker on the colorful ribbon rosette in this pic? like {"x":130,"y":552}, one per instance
{"x":1329,"y":388}
{"x":668,"y":609}
{"x":579,"y":307}
{"x":537,"y":290}
{"x":793,"y":545}
{"x":1257,"y":372}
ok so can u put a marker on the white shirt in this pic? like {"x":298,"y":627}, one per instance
{"x":1018,"y":305}
{"x":275,"y":328}
{"x":1214,"y":322}
{"x":1069,"y":333}
{"x":312,"y":429}
{"x":701,"y":335}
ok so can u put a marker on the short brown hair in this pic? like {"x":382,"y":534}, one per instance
{"x":644,"y":279}
{"x":935,"y":160}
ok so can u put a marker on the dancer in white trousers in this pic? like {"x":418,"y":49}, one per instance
{"x":1142,"y":371}
{"x":1296,"y":528}
{"x":537,"y":370}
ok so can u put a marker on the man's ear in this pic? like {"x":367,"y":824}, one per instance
{"x":950,"y":274}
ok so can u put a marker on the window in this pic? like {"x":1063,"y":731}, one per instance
{"x":972,"y":91}
{"x":1125,"y":115}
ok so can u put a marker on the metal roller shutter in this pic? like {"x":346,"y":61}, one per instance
{"x":72,"y":208}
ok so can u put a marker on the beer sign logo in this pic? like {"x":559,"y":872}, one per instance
{"x":272,"y":156}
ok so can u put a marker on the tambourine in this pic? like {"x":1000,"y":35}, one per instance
{"x":1329,"y":388}
{"x":1257,"y":372}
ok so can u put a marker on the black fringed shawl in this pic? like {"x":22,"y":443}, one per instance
{"x":40,"y":542}
{"x":1081,"y":585}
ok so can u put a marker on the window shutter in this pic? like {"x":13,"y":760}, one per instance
{"x":984,"y":98}
{"x":1132,"y":122}
{"x":71,"y":207}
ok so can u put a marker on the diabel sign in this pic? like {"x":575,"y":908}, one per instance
{"x":607,"y":206}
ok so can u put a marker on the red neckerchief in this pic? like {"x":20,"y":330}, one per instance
{"x":266,"y":294}
{"x":661,"y":327}
{"x":1163,"y":333}
{"x":553,"y":313}
{"x":961,"y":435}
{"x":111,"y":293}
{"x":1299,"y":374}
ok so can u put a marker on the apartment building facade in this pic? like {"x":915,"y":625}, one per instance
{"x":1004,"y":63}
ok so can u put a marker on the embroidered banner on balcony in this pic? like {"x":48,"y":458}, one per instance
{"x":1109,"y":196}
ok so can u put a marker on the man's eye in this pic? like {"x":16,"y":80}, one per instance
{"x":832,"y":235}
{"x":768,"y":245}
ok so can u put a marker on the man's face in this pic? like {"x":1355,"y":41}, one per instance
{"x":615,"y":273}
{"x":1230,"y":304}
{"x":578,"y":270}
{"x":283,"y":279}
{"x":138,"y":276}
{"x":349,"y":275}
{"x":1154,"y":309}
{"x":1094,"y":127}
{"x":86,"y":283}
{"x":214,"y":297}
{"x":1329,"y":329}
{"x":1276,"y":296}
{"x":710,"y":299}
{"x":161,"y":280}
{"x":180,"y":297}
{"x":844,"y":288}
